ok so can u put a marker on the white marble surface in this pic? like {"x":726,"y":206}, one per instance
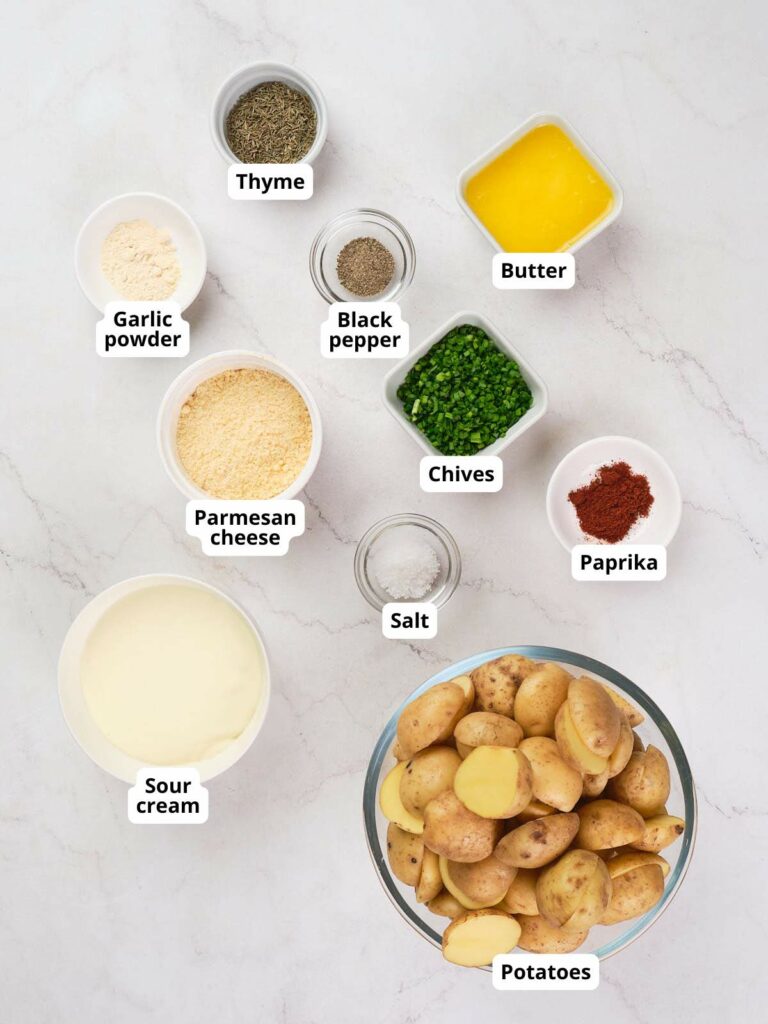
{"x":272,"y":911}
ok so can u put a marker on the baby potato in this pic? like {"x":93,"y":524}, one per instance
{"x":595,"y":717}
{"x":644,"y":782}
{"x":539,"y":698}
{"x":537,"y":935}
{"x":622,"y":752}
{"x":633,"y":892}
{"x":574,"y":892}
{"x":451,"y":830}
{"x":629,"y":859}
{"x":535,"y":809}
{"x":392,"y":806}
{"x":431,"y":718}
{"x":477,"y":885}
{"x":405,"y":853}
{"x":520,"y":897}
{"x":430,"y":882}
{"x":572,"y":748}
{"x":637,"y":743}
{"x":496,"y":682}
{"x":486,"y":728}
{"x":428,"y":774}
{"x":445,"y":905}
{"x":554,"y":782}
{"x":634,"y":717}
{"x":659,"y":832}
{"x":467,"y":686}
{"x":494,"y":782}
{"x":595,"y":784}
{"x":538,"y":842}
{"x":475,"y":938}
{"x":606,"y":824}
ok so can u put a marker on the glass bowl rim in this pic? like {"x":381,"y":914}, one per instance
{"x":408,"y":519}
{"x":368,"y":213}
{"x":557,"y":654}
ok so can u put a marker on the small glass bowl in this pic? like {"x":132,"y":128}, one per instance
{"x":362,"y":223}
{"x":603,"y":940}
{"x":410,"y":525}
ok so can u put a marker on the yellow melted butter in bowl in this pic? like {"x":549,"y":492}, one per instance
{"x":172,"y":674}
{"x":540,"y":195}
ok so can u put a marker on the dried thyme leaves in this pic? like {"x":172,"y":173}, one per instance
{"x":365,"y":266}
{"x":271,"y":124}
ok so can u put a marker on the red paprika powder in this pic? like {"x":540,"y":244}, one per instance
{"x":612,"y":502}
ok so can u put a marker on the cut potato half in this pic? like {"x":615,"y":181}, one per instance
{"x":475,"y":938}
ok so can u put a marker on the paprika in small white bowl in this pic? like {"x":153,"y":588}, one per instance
{"x":613,"y":490}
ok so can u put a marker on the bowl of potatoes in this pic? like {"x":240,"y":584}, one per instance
{"x":529,"y":799}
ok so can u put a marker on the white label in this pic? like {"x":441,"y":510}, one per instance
{"x":270,"y":181}
{"x":245,"y":527}
{"x":620,"y":562}
{"x":142,"y":329}
{"x":167,"y":795}
{"x":461,"y":473}
{"x":409,"y":620}
{"x":533,"y":270}
{"x":558,"y":972}
{"x":364,"y":330}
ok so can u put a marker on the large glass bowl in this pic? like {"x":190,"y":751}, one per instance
{"x":603,"y":940}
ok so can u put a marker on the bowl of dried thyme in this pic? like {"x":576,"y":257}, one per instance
{"x":362,"y":255}
{"x":269,"y":113}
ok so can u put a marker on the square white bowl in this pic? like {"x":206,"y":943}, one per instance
{"x":396,"y":376}
{"x":534,"y":122}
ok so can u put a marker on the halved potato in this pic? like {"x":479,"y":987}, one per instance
{"x":451,"y":830}
{"x":405,"y":853}
{"x":496,"y":682}
{"x":431,"y":718}
{"x":606,"y":824}
{"x":539,"y":698}
{"x":595,"y":784}
{"x":572,"y":748}
{"x":446,"y":905}
{"x":427,"y":774}
{"x":494,"y":782}
{"x":477,"y":885}
{"x":392,"y":806}
{"x":659,"y":832}
{"x":535,"y":809}
{"x":475,"y":938}
{"x":574,"y":892}
{"x":486,"y":728}
{"x":644,"y":783}
{"x":520,"y":897}
{"x":635,"y":717}
{"x":537,"y":935}
{"x":595,"y":717}
{"x":623,"y":749}
{"x":634,"y":892}
{"x":430,"y":882}
{"x":629,"y":859}
{"x":538,"y":842}
{"x":466,"y":684}
{"x":554,"y":782}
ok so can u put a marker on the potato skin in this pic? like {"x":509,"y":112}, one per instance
{"x":537,"y":935}
{"x":623,"y":749}
{"x":606,"y":824}
{"x":392,"y":806}
{"x":431,"y":718}
{"x":446,"y":905}
{"x":452,"y":831}
{"x":539,"y":698}
{"x":496,"y":683}
{"x":535,"y":809}
{"x":486,"y":728}
{"x":405,"y":853}
{"x":659,"y":832}
{"x":477,"y":885}
{"x":595,"y":784}
{"x":630,"y":859}
{"x":572,"y":748}
{"x":538,"y":842}
{"x":574,"y":892}
{"x":633,"y":715}
{"x":633,"y":893}
{"x":595,"y":716}
{"x":554,"y":782}
{"x":644,"y":782}
{"x":520,"y":897}
{"x":427,"y":774}
{"x":430,"y":882}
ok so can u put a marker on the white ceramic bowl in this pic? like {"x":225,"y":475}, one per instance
{"x":75,"y":709}
{"x":186,"y":382}
{"x":534,"y":122}
{"x":580,"y":465}
{"x":164,"y":214}
{"x":251,"y":75}
{"x":397,"y":375}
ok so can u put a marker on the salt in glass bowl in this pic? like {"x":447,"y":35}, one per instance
{"x":361,"y":223}
{"x":603,"y":940}
{"x":409,"y":525}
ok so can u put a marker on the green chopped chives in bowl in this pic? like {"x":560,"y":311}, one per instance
{"x":465,"y":393}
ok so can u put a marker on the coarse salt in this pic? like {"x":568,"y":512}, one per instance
{"x":405,"y":567}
